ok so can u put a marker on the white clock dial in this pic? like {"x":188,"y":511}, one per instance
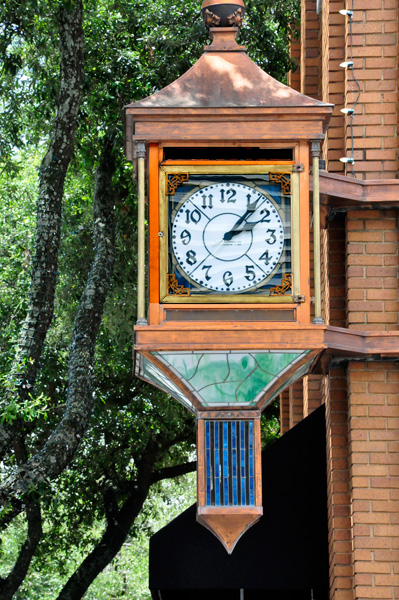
{"x":227,"y":237}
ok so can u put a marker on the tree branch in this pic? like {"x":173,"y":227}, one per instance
{"x":171,"y":472}
{"x":11,"y":583}
{"x":53,"y":171}
{"x":64,"y":441}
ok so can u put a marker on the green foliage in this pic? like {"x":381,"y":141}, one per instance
{"x":132,"y":49}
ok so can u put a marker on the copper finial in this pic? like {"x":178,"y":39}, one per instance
{"x":223,"y":13}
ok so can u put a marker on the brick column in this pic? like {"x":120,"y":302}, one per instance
{"x":339,"y":523}
{"x":284,"y":412}
{"x":296,"y":403}
{"x":374,"y":467}
{"x":310,"y":50}
{"x":372,"y":270}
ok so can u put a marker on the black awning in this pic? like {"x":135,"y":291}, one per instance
{"x":286,"y":550}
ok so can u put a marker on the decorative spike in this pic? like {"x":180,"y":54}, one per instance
{"x":230,"y":525}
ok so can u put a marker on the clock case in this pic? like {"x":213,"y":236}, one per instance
{"x":277,"y":182}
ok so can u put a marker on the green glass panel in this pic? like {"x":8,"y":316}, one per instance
{"x":253,"y":385}
{"x":275,"y":362}
{"x":230,"y":378}
{"x":220,"y":393}
{"x":185,"y":364}
{"x":240,"y":366}
{"x":212,"y":369}
{"x":149,"y":372}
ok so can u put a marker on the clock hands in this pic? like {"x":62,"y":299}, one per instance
{"x":242,"y":223}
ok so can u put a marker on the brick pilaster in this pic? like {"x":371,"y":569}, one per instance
{"x":296,"y":403}
{"x":284,"y":412}
{"x":372,"y":270}
{"x":338,"y":488}
{"x":374,"y":466}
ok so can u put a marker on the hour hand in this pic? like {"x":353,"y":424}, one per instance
{"x":241,"y":224}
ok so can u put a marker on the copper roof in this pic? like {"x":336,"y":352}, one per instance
{"x":226,"y":78}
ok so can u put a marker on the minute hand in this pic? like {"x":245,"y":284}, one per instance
{"x":240,"y":225}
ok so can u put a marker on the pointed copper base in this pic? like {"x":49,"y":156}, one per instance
{"x":228,"y":524}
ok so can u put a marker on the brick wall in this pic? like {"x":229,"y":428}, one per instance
{"x":374,"y":468}
{"x":296,"y":403}
{"x":372,"y":269}
{"x":333,"y":81}
{"x":310,"y":50}
{"x":284,"y":412}
{"x":375,"y":57}
{"x":338,"y":493}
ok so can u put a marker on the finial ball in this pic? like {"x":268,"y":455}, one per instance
{"x":223,"y":13}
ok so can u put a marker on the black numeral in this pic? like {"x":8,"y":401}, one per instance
{"x":206,"y":268}
{"x":266,"y":213}
{"x":250,"y":272}
{"x":194,"y":216}
{"x":272,"y":239}
{"x":191,"y":257}
{"x":228,"y":278}
{"x":265,"y":256}
{"x":207,"y":201}
{"x":233,"y":194}
{"x":185,"y":237}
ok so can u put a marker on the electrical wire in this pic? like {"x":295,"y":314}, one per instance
{"x":357,"y":83}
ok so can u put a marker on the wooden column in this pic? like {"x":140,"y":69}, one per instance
{"x":140,"y":153}
{"x":318,"y":319}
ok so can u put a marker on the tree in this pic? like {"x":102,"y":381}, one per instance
{"x":68,"y":388}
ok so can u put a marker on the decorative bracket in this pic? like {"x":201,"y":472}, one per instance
{"x":175,"y":288}
{"x":284,"y":288}
{"x":173,"y":181}
{"x":283,"y":180}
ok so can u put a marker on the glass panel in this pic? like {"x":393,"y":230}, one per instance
{"x":230,"y":378}
{"x":227,"y":483}
{"x":230,"y":234}
{"x":149,"y":372}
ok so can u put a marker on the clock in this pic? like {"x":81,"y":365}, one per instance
{"x":227,"y":237}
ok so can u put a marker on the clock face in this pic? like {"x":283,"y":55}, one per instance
{"x":227,"y":237}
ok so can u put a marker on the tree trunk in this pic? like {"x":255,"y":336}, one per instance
{"x":64,"y":441}
{"x":119,"y":523}
{"x":52,"y":175}
{"x":11,"y":583}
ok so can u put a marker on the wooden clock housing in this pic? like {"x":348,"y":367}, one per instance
{"x":225,"y":116}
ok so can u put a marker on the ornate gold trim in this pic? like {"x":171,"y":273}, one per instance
{"x":175,"y":288}
{"x":284,"y":288}
{"x":173,"y":182}
{"x":283,"y":181}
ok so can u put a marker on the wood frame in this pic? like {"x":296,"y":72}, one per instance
{"x":225,"y":168}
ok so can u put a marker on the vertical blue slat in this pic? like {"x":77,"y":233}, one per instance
{"x":208,"y":463}
{"x":242,"y":453}
{"x":251,"y":463}
{"x":217,"y":468}
{"x":225,"y":464}
{"x":234,"y":461}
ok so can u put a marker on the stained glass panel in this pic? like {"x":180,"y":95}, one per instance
{"x":230,"y":378}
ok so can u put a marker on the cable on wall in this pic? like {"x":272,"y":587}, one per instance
{"x":350,"y":110}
